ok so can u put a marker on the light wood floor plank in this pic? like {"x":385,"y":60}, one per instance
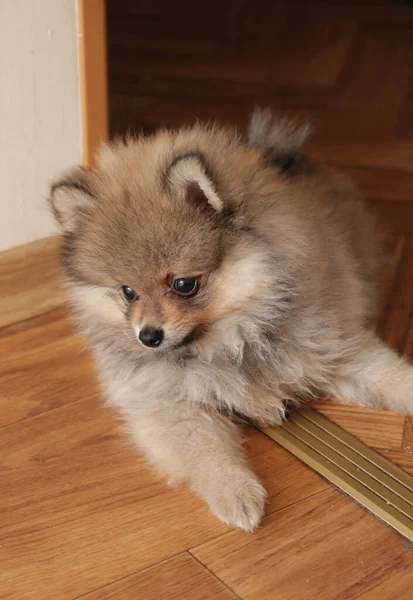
{"x":77,"y":500}
{"x":30,"y":281}
{"x":408,"y":435}
{"x":324,"y":547}
{"x":179,"y":578}
{"x":44,"y":365}
{"x":399,"y":585}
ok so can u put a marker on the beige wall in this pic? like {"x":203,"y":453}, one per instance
{"x":39,"y":111}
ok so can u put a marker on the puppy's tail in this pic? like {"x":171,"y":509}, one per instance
{"x":279,"y":138}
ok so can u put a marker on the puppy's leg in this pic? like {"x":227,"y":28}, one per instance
{"x":376,"y":377}
{"x":204,"y":450}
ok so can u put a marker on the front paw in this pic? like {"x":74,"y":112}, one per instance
{"x":238,"y":500}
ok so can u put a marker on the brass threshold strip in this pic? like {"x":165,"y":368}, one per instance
{"x":373,"y":481}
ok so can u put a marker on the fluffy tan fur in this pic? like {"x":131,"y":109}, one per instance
{"x":288,"y":263}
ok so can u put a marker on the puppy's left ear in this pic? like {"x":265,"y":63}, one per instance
{"x":71,"y":197}
{"x":191,"y":174}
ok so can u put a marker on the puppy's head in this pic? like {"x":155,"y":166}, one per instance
{"x":156,"y":245}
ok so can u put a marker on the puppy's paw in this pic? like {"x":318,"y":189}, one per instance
{"x":239,"y":501}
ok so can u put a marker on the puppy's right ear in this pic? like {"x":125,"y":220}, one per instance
{"x":71,"y":196}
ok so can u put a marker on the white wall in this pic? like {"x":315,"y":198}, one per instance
{"x":40,"y":132}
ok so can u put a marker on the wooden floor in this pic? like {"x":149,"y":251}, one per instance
{"x":81,"y":515}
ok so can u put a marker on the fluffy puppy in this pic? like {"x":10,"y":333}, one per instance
{"x":214,"y":275}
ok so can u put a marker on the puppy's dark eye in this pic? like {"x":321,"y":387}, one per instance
{"x":185,"y":286}
{"x":129,"y":293}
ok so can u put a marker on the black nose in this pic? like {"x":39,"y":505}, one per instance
{"x":151,"y":337}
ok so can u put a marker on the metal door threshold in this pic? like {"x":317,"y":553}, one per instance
{"x":373,"y":481}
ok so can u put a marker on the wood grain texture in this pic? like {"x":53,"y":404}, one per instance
{"x":180,"y":577}
{"x":30,"y":282}
{"x":330,"y":43}
{"x":395,"y":323}
{"x":408,"y":435}
{"x":81,"y":514}
{"x":387,"y":184}
{"x":77,"y":500}
{"x":400,"y":581}
{"x":93,"y":76}
{"x":392,"y":154}
{"x":324,"y":547}
{"x":44,"y":365}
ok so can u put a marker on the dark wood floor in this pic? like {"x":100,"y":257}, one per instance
{"x":348,"y":66}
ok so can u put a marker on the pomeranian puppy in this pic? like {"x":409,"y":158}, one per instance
{"x":216,"y":275}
